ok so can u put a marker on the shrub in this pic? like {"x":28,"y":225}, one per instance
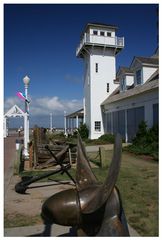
{"x":83,"y":131}
{"x":107,"y":138}
{"x":141,"y":134}
{"x":146,"y":141}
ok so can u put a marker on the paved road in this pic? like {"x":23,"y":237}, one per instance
{"x":9,"y":151}
{"x":9,"y":157}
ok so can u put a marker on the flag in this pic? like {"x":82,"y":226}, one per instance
{"x":22,"y":96}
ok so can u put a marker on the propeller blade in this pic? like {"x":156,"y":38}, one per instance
{"x":84,"y":174}
{"x":102,"y":193}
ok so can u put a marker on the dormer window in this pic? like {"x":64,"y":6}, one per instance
{"x":95,"y":32}
{"x":138,"y":77}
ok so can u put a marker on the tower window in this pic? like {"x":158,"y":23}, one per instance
{"x":97,"y":126}
{"x":95,"y":32}
{"x":102,"y":33}
{"x":108,"y":87}
{"x":96,"y":67}
{"x":109,"y":34}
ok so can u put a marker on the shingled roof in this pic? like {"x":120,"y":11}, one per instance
{"x":125,"y":70}
{"x":149,"y":85}
{"x":78,"y":113}
{"x":102,"y":25}
{"x":148,"y":60}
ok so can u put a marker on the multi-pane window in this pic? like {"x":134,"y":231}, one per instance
{"x":94,"y":32}
{"x":108,"y":87}
{"x":96,"y":66}
{"x":97,"y":126}
{"x":138,"y":77}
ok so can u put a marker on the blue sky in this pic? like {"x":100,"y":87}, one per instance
{"x":40,"y":41}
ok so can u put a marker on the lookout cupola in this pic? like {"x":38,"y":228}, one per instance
{"x":99,"y":35}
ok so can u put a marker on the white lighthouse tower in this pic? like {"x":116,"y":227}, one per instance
{"x":98,"y":47}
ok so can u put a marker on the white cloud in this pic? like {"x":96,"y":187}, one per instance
{"x":45,"y":105}
{"x":11,"y":101}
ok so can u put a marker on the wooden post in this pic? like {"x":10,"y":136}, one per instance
{"x":35,"y":139}
{"x":31,"y":158}
{"x":70,"y":157}
{"x":103,"y":159}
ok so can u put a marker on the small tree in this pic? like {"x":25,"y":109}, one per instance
{"x":141,"y":134}
{"x":83,"y":131}
{"x":146,"y":141}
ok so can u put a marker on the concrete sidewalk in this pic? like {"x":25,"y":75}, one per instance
{"x":56,"y":230}
{"x":38,"y":230}
{"x":9,"y":157}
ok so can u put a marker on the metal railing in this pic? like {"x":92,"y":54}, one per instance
{"x":100,"y":40}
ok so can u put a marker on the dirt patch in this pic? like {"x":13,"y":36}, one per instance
{"x":28,"y":205}
{"x":147,"y":158}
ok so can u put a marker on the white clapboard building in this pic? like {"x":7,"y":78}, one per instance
{"x":116,"y":102}
{"x":134,"y":100}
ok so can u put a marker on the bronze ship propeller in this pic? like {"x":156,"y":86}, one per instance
{"x":94,"y":209}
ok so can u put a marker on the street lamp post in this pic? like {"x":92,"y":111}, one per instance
{"x":26,"y":81}
{"x":65,"y":132}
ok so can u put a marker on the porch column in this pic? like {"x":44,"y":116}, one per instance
{"x":126,"y":127}
{"x":68,"y":125}
{"x":111,"y":114}
{"x":65,"y":127}
{"x":77,"y":123}
{"x":4,"y":127}
{"x":70,"y":121}
{"x":71,"y":125}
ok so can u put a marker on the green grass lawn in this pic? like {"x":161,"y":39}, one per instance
{"x":138,"y":182}
{"x":138,"y":185}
